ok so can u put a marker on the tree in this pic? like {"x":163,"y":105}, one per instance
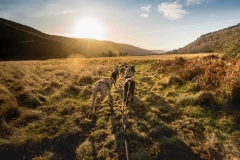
{"x":123,"y":54}
{"x":230,"y":48}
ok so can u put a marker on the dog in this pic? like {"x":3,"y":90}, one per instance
{"x":103,"y":86}
{"x":115,"y":75}
{"x":132,"y":67}
{"x":129,"y":87}
{"x":128,"y":73}
{"x":122,"y":71}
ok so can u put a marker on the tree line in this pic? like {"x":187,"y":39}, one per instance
{"x":112,"y":54}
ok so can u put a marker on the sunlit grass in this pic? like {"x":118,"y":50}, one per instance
{"x":45,"y":106}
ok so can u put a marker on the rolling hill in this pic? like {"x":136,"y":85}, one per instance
{"x":21,"y":42}
{"x":224,"y":40}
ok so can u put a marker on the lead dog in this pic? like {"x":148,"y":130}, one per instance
{"x":103,"y":86}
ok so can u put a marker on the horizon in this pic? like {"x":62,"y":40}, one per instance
{"x":152,"y":25}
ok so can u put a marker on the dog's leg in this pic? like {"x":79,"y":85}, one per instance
{"x":90,"y":113}
{"x":131,"y":96}
{"x":103,"y":94}
{"x":128,"y":94}
{"x":132,"y":91}
{"x":125,"y":93}
{"x":94,"y":96}
{"x":115,"y":85}
{"x":110,"y":101}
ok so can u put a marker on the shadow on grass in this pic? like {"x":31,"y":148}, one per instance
{"x":62,"y":146}
{"x":148,"y":132}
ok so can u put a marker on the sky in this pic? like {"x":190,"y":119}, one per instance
{"x":149,"y":24}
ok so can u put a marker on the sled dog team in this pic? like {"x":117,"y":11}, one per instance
{"x":104,"y":85}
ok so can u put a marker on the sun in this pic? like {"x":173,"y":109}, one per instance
{"x":88,"y":28}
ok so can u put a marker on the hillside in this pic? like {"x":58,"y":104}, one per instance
{"x":184,"y":108}
{"x":92,"y":47}
{"x":225,"y":40}
{"x":158,"y":51}
{"x":19,"y":41}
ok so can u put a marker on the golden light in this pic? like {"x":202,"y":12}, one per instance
{"x":88,"y":28}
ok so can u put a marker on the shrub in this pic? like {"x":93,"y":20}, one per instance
{"x":230,"y":49}
{"x":189,"y":73}
{"x":179,"y":61}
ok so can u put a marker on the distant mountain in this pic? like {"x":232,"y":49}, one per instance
{"x":158,"y":51}
{"x":214,"y":41}
{"x":21,"y":42}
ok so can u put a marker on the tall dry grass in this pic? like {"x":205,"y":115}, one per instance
{"x":185,"y":107}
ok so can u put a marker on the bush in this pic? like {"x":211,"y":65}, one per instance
{"x":230,"y":49}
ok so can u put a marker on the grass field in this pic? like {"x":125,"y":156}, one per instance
{"x":185,"y":107}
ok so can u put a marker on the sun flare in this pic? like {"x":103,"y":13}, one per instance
{"x":88,"y":28}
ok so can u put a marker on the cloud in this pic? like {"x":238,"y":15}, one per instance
{"x":146,"y":8}
{"x":192,"y":2}
{"x":172,"y":11}
{"x":144,"y":15}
